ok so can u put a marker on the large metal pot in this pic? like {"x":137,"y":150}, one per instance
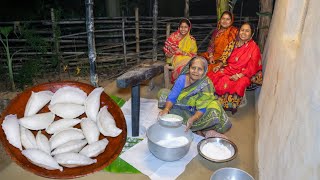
{"x":158,"y":132}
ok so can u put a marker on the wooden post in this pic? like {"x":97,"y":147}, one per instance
{"x":137,"y":35}
{"x":186,"y":9}
{"x":241,"y":12}
{"x":55,"y":39}
{"x":264,"y":21}
{"x":154,"y":28}
{"x":168,"y":29}
{"x":124,"y":41}
{"x":91,"y":43}
{"x":167,"y":68}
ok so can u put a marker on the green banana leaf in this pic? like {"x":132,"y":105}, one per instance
{"x":119,"y":101}
{"x":119,"y":165}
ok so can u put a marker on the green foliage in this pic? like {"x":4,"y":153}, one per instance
{"x":34,"y":65}
{"x":35,"y":41}
{"x":29,"y":70}
{"x":5,"y":31}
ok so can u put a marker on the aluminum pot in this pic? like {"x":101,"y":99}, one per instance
{"x":158,"y":132}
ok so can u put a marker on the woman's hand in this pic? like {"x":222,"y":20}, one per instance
{"x":216,"y":69}
{"x":163,"y":112}
{"x":235,"y":77}
{"x":169,"y":55}
{"x":178,"y":51}
{"x":192,"y":119}
{"x":189,"y":124}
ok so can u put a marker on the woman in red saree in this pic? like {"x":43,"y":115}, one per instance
{"x":240,"y":61}
{"x":180,"y":47}
{"x":221,"y":37}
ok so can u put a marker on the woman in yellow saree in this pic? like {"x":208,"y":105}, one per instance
{"x":180,"y":47}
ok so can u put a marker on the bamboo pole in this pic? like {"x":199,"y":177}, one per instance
{"x":91,"y":42}
{"x":55,"y":40}
{"x":155,"y":41}
{"x":186,"y":8}
{"x":264,"y":21}
{"x":241,"y":12}
{"x":168,"y":28}
{"x":124,"y":42}
{"x":137,"y":35}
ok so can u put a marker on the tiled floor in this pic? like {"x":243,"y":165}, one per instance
{"x":242,"y":134}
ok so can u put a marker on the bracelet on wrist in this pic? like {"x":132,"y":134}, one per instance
{"x":238,"y":75}
{"x":166,"y":109}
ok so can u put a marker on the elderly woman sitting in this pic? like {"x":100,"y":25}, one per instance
{"x":192,"y":97}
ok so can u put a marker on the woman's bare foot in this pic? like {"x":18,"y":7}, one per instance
{"x":213,"y":133}
{"x":200,"y":133}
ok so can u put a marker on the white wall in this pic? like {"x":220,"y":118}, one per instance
{"x":288,"y":139}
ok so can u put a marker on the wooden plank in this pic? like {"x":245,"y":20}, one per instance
{"x":141,"y":73}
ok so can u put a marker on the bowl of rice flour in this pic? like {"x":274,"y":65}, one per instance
{"x":171,"y":120}
{"x":217,"y":149}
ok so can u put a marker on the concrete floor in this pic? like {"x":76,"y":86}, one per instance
{"x":242,"y":134}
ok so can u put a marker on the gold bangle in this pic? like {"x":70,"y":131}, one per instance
{"x":167,"y":109}
{"x":238,"y":75}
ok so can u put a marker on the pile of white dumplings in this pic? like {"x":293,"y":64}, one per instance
{"x":67,"y":146}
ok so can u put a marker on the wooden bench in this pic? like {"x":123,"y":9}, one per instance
{"x":133,"y":78}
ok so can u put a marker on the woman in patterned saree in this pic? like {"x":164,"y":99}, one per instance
{"x":240,"y":61}
{"x":180,"y":47}
{"x":192,"y":97}
{"x":221,"y":37}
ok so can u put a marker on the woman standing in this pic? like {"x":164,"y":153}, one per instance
{"x":240,"y":61}
{"x":180,"y":47}
{"x":192,"y":97}
{"x":221,"y":37}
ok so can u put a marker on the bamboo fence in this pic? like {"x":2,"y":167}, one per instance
{"x":121,"y":42}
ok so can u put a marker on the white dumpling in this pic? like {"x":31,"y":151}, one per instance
{"x":37,"y":101}
{"x":43,"y":143}
{"x":42,"y":159}
{"x":71,"y":146}
{"x":106,"y":123}
{"x":73,"y":159}
{"x":94,"y":149}
{"x":90,"y":130}
{"x":67,"y":111}
{"x":65,"y":136}
{"x":28,"y":140}
{"x":92,"y":103}
{"x":37,"y":121}
{"x":10,"y":126}
{"x":69,"y":94}
{"x":62,"y":124}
